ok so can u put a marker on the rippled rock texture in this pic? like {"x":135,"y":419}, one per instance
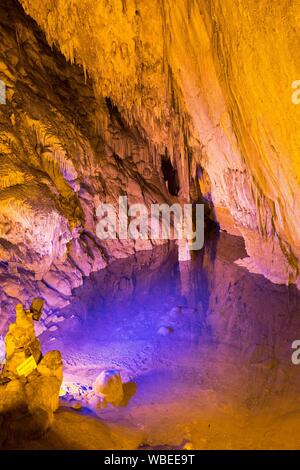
{"x":63,"y":151}
{"x":205,"y":79}
{"x":123,"y":85}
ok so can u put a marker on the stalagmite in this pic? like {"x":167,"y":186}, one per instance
{"x":29,"y":382}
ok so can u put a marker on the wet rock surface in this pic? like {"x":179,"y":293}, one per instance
{"x":73,"y":136}
{"x":108,"y":387}
{"x":168,"y":102}
{"x":207,"y":84}
{"x":63,"y":152}
{"x":223,"y":378}
{"x":28,"y":396}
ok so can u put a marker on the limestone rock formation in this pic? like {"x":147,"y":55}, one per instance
{"x":158,"y":100}
{"x":20,"y":342}
{"x":2,"y":351}
{"x":108,"y":387}
{"x":203,"y":79}
{"x":63,"y":152}
{"x":29,"y":383}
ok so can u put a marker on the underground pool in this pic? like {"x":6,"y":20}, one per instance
{"x":203,"y":347}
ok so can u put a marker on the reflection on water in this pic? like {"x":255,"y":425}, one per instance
{"x":222,"y":376}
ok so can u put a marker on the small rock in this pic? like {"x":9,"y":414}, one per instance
{"x":175,"y":311}
{"x":165,"y":330}
{"x":51,"y":365}
{"x":62,"y":392}
{"x":54,"y":319}
{"x":108,"y":386}
{"x":94,"y":402}
{"x":188,"y":445}
{"x":76,"y":405}
{"x":53,"y":328}
{"x":39,"y":328}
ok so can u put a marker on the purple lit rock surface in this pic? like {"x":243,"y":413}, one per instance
{"x":222,"y":378}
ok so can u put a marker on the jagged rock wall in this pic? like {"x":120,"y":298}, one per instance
{"x":27,"y":393}
{"x":200,"y":82}
{"x":212,"y":81}
{"x":62,"y":152}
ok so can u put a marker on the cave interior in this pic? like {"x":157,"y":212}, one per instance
{"x":137,"y":341}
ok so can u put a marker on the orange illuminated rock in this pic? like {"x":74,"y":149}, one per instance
{"x":64,"y":150}
{"x":29,"y":383}
{"x":168,"y":101}
{"x":207,"y":83}
{"x":20,"y":342}
{"x":109,"y":388}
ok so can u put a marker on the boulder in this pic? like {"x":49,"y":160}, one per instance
{"x":165,"y":330}
{"x":12,"y":396}
{"x":108,"y":386}
{"x":43,"y":392}
{"x":51,"y":365}
{"x":20,"y":342}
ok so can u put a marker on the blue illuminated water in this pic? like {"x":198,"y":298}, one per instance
{"x":224,"y":357}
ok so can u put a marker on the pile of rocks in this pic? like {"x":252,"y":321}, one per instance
{"x":29,"y":383}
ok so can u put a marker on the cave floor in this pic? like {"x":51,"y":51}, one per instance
{"x":221,"y":378}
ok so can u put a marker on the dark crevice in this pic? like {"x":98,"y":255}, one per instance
{"x":114,"y":113}
{"x":170,"y":175}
